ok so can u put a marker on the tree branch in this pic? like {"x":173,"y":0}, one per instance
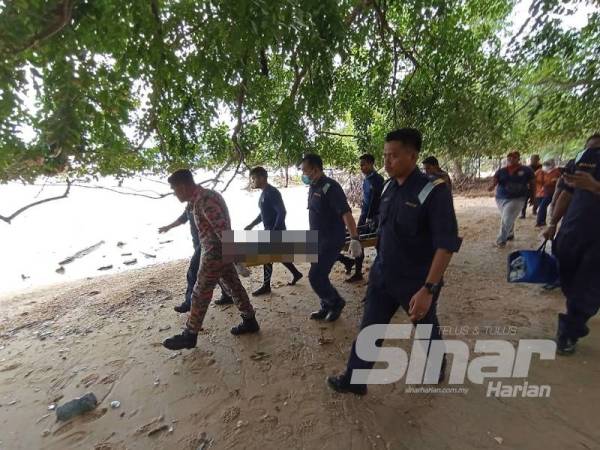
{"x":8,"y":219}
{"x":236,"y":171}
{"x":64,"y":13}
{"x":135,"y":193}
{"x":569,"y":84}
{"x":356,"y":11}
{"x":237,"y":130}
{"x":333,"y":133}
{"x":385,"y":26}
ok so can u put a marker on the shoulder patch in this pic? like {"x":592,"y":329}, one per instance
{"x":428,"y":188}
{"x":326,"y":187}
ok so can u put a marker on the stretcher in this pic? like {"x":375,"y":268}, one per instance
{"x":367,"y":240}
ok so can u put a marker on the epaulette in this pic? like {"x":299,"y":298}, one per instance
{"x":428,"y":188}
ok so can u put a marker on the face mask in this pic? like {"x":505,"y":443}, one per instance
{"x":305,"y":179}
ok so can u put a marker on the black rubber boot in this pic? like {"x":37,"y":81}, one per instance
{"x":187,"y":339}
{"x":354,"y":278}
{"x":264,"y":289}
{"x":248,"y":325}
{"x":319,"y":315}
{"x":297,"y":277}
{"x":565,"y":345}
{"x":340,"y":384}
{"x":183,"y":308}
{"x":334,"y":314}
{"x":349,"y":265}
{"x":224,"y":300}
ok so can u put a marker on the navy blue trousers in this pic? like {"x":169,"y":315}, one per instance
{"x":380,"y":307}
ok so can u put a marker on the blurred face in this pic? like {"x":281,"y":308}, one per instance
{"x":399,"y":159}
{"x":512,"y":160}
{"x":535,"y":159}
{"x":366,"y":167}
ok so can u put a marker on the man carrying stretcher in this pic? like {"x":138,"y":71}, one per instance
{"x":367,"y":222}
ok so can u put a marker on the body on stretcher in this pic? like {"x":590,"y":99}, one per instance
{"x":367,"y":238}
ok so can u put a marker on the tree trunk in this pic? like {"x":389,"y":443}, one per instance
{"x":457,"y":166}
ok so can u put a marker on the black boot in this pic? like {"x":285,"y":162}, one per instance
{"x":183,"y":308}
{"x":264,"y":289}
{"x":354,"y":278}
{"x":248,"y":325}
{"x":334,"y":314}
{"x":224,"y":300}
{"x":187,"y":339}
{"x":349,"y":264}
{"x":297,"y":277}
{"x":565,"y":345}
{"x":340,"y":384}
{"x":319,"y":315}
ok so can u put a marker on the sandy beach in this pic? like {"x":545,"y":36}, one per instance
{"x":103,"y":335}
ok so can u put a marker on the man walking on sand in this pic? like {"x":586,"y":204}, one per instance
{"x":192,"y":273}
{"x":272,"y":215}
{"x":514,"y":184}
{"x":212,"y":218}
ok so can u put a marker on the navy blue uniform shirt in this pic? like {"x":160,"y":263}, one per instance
{"x":272,"y":209}
{"x":372,"y":186}
{"x":415,"y":219}
{"x":582,"y":220}
{"x":327,"y":204}
{"x":515,"y":184}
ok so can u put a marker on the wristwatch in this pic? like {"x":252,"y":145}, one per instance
{"x":433,"y":288}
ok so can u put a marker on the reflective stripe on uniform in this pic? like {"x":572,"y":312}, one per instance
{"x":428,"y":188}
{"x":326,"y":187}
{"x":385,"y":186}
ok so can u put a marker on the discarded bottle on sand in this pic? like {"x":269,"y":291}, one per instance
{"x":76,"y":407}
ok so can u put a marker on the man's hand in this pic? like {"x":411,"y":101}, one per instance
{"x":419,"y":304}
{"x":582,"y":180}
{"x":248,"y":227}
{"x":549,"y":232}
{"x":355,"y":248}
{"x":164,"y":229}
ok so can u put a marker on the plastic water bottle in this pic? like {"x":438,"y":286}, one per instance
{"x":76,"y":407}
